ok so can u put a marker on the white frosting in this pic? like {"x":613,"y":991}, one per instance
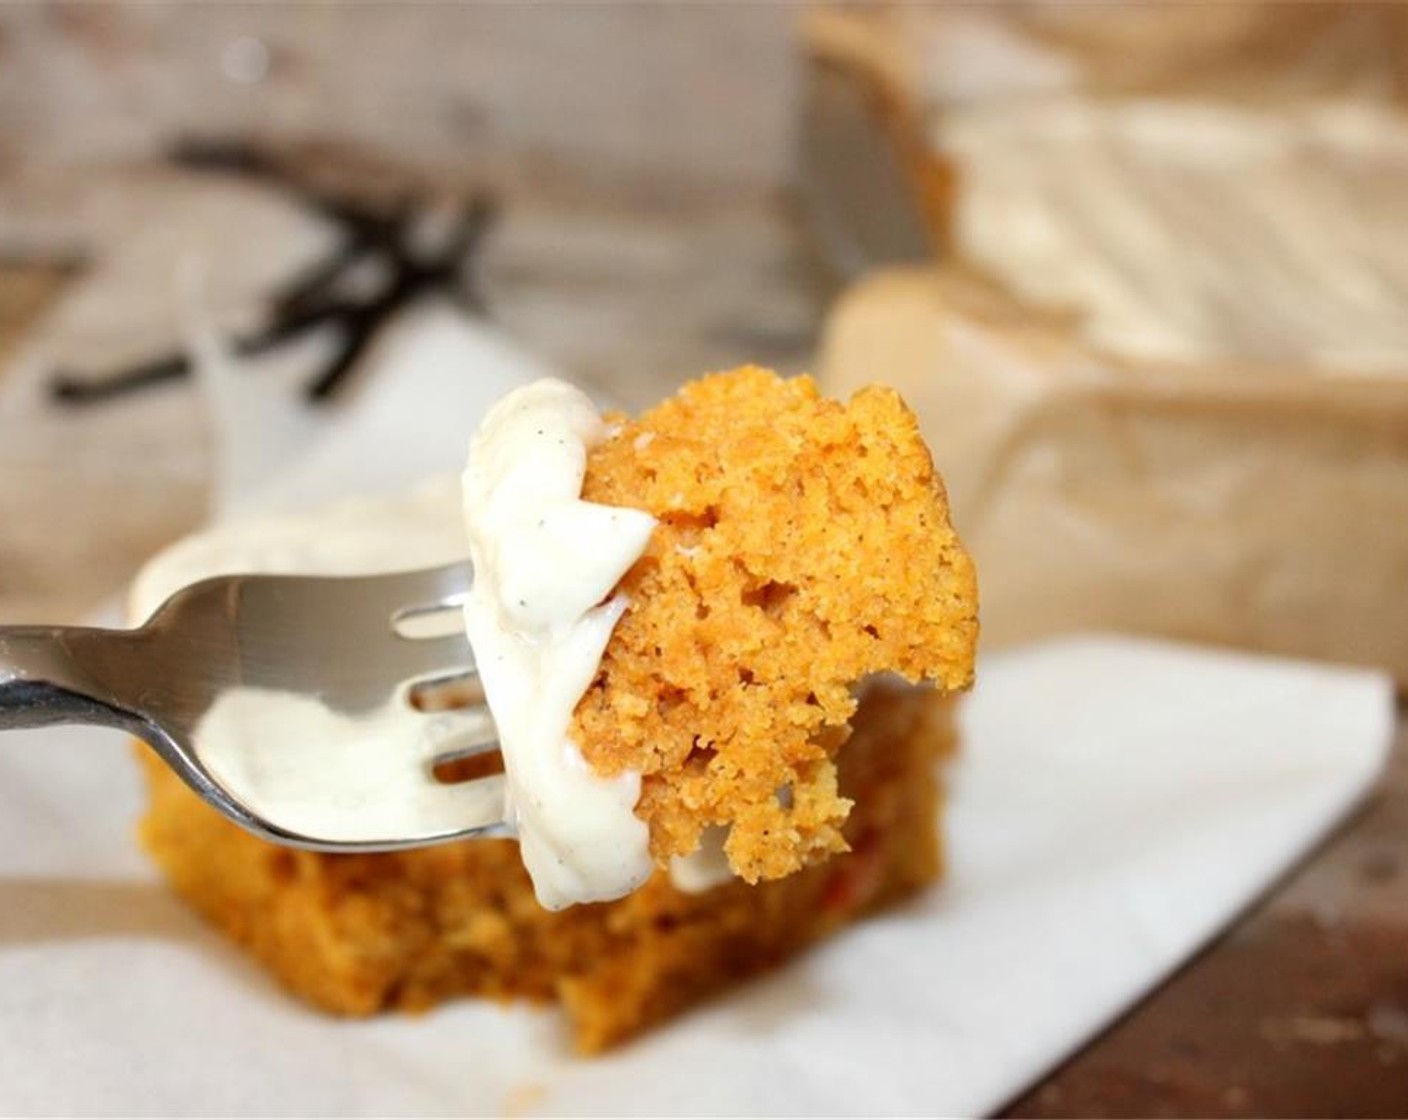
{"x":544,"y":562}
{"x":1194,"y":232}
{"x":705,"y":867}
{"x":272,"y":750}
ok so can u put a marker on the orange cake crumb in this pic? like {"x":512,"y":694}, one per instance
{"x":803,"y":544}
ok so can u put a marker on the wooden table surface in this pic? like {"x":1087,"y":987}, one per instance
{"x":1300,"y":1008}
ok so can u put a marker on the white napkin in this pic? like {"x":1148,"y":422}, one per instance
{"x":1115,"y":804}
{"x":418,"y":396}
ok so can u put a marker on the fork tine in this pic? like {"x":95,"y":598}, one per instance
{"x":406,"y":591}
{"x":436,"y":585}
{"x":449,"y":654}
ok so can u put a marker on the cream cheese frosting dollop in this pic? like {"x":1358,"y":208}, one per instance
{"x":539,"y":617}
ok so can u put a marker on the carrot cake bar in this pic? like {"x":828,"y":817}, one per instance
{"x":768,"y":694}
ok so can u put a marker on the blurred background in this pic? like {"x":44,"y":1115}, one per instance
{"x":1142,"y":269}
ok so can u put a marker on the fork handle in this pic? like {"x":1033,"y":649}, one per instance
{"x":55,"y":674}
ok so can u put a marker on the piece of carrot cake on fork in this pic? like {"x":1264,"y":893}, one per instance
{"x":724,"y":748}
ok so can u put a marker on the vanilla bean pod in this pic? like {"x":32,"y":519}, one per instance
{"x":310,"y":300}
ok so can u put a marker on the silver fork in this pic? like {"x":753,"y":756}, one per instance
{"x":289,"y":703}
